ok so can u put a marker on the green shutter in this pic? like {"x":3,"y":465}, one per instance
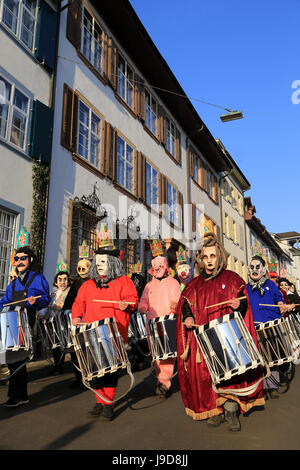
{"x":45,"y":49}
{"x":41,"y":132}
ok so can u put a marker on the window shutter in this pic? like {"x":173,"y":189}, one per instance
{"x":45,"y":45}
{"x":163,"y":192}
{"x":111,"y":63}
{"x":242,"y":245}
{"x":141,"y":176}
{"x":191,"y":161}
{"x":41,"y":132}
{"x":69,"y":119}
{"x":224,"y":222}
{"x":194,"y":218}
{"x":139,"y":97}
{"x":180,"y":209}
{"x":74,"y":23}
{"x":109,"y":160}
{"x":161,"y":125}
{"x":178,"y":146}
{"x":215,"y":192}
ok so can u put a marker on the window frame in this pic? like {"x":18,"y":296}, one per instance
{"x":10,"y":245}
{"x":19,"y":23}
{"x":10,"y":114}
{"x":92,"y":49}
{"x":92,"y":111}
{"x":169,"y":147}
{"x":154,"y":206}
{"x":148,"y":125}
{"x":126,"y":81}
{"x":119,"y":135}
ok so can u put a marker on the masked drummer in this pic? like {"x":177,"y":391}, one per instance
{"x":160,"y":298}
{"x":106,"y":282}
{"x":261,"y":290}
{"x":214,"y":284}
{"x":28,"y":285}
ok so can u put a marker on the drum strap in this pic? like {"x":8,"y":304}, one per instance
{"x":243,"y":391}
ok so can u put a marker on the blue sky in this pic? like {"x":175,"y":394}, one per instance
{"x":242,"y":56}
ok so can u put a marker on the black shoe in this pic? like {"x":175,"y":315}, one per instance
{"x":162,"y":391}
{"x":76,"y":384}
{"x":107,"y":413}
{"x":216,"y":421}
{"x":14,"y":402}
{"x":97,"y":410}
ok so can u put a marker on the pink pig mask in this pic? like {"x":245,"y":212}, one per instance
{"x":159,"y":267}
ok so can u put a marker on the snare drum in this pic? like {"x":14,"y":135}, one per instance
{"x":50,"y":329}
{"x":15,"y":336}
{"x":99,"y":348}
{"x":228,"y":347}
{"x":275,"y":339}
{"x":66,"y":328}
{"x":161,"y":332}
{"x":137,"y":327}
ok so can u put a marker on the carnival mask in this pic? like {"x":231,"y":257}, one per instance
{"x":209,"y":258}
{"x":62,"y":281}
{"x":101,"y":263}
{"x":83,"y":268}
{"x":159,"y":268}
{"x":184,"y":272}
{"x":256,"y":270}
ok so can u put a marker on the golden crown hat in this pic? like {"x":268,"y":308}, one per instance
{"x":156,"y":248}
{"x":105,"y":237}
{"x":85,"y":251}
{"x":62,"y":267}
{"x":181,"y":255}
{"x":135,"y":268}
{"x":23,"y":238}
{"x":205,"y":225}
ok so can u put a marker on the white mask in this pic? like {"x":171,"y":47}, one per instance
{"x":101,"y":263}
{"x":256,"y":270}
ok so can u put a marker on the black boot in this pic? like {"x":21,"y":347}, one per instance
{"x":97,"y":410}
{"x":231,"y":415}
{"x":107,"y":413}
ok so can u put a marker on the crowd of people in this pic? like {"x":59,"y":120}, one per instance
{"x":204,"y":294}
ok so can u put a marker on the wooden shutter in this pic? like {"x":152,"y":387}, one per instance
{"x":109,"y":158}
{"x":139,"y":97}
{"x":74,"y":23}
{"x":180,"y":209}
{"x":69,"y":119}
{"x":45,"y":43}
{"x":41,"y":132}
{"x":215,"y":190}
{"x":194,"y":218}
{"x":163,"y":193}
{"x":218,"y":233}
{"x":191,"y":162}
{"x":111,"y":63}
{"x":178,"y":146}
{"x":141,"y":176}
{"x":161,"y":125}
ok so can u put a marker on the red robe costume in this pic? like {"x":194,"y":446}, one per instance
{"x":199,"y":398}
{"x":121,"y":288}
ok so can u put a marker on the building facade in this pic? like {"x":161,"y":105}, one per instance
{"x":27,"y":63}
{"x":125,"y":153}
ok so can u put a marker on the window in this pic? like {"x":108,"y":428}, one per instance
{"x":92,"y":41}
{"x":20,"y":17}
{"x":172,"y":204}
{"x":170,"y":137}
{"x":7,"y":235}
{"x":14,"y":114}
{"x":125,"y":164}
{"x":209,"y":184}
{"x":150,"y":113}
{"x":125,"y":82}
{"x":227,"y":226}
{"x":89,"y":134}
{"x":151,"y":186}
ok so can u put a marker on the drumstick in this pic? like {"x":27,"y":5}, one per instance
{"x":225,"y":302}
{"x":113,"y":301}
{"x":278,"y":305}
{"x":23,"y":300}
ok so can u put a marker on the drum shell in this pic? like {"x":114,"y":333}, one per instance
{"x":228,"y":347}
{"x":15,"y":336}
{"x":161,"y":335}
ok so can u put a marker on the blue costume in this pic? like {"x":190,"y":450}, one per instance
{"x":271,"y":296}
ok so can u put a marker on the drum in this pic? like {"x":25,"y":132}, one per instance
{"x":15,"y":336}
{"x":228,"y":347}
{"x":50,"y":329}
{"x":137,"y":327}
{"x":276,"y":341}
{"x":99,"y":348}
{"x":161,"y":332}
{"x":66,"y":328}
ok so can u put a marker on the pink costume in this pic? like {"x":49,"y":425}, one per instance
{"x":160,"y":297}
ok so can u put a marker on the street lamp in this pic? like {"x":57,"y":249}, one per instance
{"x":231,"y":116}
